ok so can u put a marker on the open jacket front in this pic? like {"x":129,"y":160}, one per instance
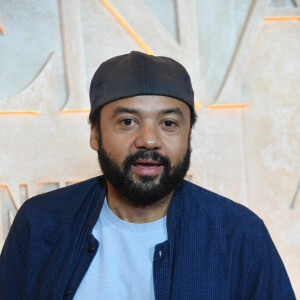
{"x":216,"y":248}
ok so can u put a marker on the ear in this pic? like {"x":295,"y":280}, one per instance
{"x":94,"y":138}
{"x":190,"y":144}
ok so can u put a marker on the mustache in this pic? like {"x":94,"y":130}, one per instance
{"x":147,"y":154}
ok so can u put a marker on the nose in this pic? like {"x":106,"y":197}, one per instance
{"x":148,"y":138}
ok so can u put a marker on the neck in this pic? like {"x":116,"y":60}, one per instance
{"x":135,"y":213}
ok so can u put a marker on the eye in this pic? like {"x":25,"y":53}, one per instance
{"x":168,"y":124}
{"x":128,"y":123}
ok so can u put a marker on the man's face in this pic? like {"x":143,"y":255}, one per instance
{"x":143,"y":147}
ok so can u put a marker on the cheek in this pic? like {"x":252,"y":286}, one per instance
{"x":117,"y":148}
{"x":176,"y":150}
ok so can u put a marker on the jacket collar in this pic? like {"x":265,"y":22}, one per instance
{"x":173,"y":214}
{"x":174,"y":211}
{"x":99,"y":203}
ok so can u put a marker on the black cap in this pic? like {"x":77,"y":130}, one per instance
{"x":136,"y":74}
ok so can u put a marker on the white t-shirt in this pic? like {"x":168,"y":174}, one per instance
{"x":122,"y":267}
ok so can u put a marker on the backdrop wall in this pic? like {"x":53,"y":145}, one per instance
{"x":243,"y":57}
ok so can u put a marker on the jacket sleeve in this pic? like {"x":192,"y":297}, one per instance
{"x":268,"y":278}
{"x":13,"y":258}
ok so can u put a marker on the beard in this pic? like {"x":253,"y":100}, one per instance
{"x":144,"y":190}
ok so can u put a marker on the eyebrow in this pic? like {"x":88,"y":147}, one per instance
{"x":177,"y":111}
{"x":120,"y":110}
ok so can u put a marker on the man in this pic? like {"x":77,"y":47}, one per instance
{"x":140,"y":231}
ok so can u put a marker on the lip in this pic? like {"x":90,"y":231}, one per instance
{"x":147,"y":167}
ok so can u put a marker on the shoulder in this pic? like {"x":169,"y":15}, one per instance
{"x":58,"y":204}
{"x":215,"y":220}
{"x":221,"y":226}
{"x":220,"y":210}
{"x":63,"y":196}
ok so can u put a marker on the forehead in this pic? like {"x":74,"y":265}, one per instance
{"x":147,"y":104}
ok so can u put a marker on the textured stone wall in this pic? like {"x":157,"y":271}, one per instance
{"x":237,"y":52}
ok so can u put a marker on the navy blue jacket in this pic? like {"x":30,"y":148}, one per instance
{"x":216,"y":249}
